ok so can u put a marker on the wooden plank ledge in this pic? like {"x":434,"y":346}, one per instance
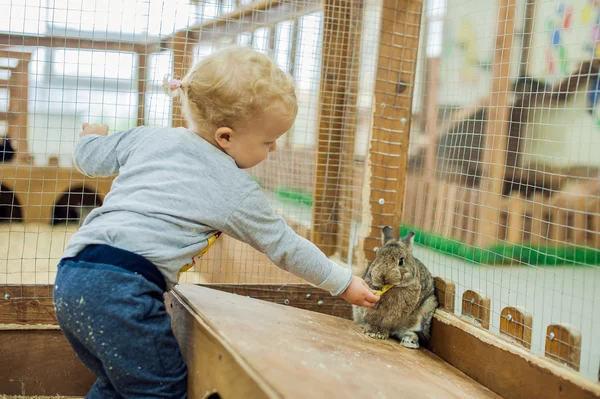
{"x":243,"y":347}
{"x":38,"y":360}
{"x":505,"y":367}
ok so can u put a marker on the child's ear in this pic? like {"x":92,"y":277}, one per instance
{"x":223,"y":136}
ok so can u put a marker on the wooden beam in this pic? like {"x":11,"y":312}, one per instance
{"x":394,"y":85}
{"x":182,"y":62}
{"x":37,"y":188}
{"x":142,"y":76}
{"x":239,"y":13}
{"x":497,"y":128}
{"x":11,"y":40}
{"x":431,"y":114}
{"x":527,"y":36}
{"x":8,"y":116}
{"x":228,"y":352}
{"x":502,"y":366}
{"x":247,"y":18}
{"x":336,"y":122}
{"x":14,"y":54}
{"x":17,"y":106}
{"x":349,"y":199}
{"x":213,"y":366}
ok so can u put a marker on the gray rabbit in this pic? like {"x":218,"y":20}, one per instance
{"x":406,"y":309}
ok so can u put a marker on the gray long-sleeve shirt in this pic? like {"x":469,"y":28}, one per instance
{"x":174,"y":192}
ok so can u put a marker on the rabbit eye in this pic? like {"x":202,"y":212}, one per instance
{"x":401,"y":263}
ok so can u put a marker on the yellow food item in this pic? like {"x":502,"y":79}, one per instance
{"x":384,"y":289}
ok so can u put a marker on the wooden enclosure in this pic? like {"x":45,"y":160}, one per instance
{"x":315,"y":334}
{"x":490,"y":200}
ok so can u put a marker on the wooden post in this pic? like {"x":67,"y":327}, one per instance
{"x":182,"y":61}
{"x":527,"y":35}
{"x":433,"y":67}
{"x":142,"y":76}
{"x":498,"y":123}
{"x":336,"y":130}
{"x":17,"y":108}
{"x":445,"y":291}
{"x":394,"y":84}
{"x":476,"y":306}
{"x":516,"y":214}
{"x":516,"y":323}
{"x":289,"y":137}
{"x":563,"y":344}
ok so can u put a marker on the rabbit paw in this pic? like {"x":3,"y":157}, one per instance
{"x":377,"y":334}
{"x":410,"y":340}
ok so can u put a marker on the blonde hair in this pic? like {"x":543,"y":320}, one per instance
{"x":233,"y":86}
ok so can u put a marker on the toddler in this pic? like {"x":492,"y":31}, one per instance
{"x":177,"y":191}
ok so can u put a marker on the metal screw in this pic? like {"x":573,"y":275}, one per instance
{"x":320,"y":302}
{"x":551,"y":336}
{"x":383,"y":105}
{"x":401,"y":87}
{"x":403,"y":121}
{"x":509,"y":317}
{"x":286,"y":301}
{"x":381,"y":201}
{"x":7,"y":296}
{"x":472,"y":301}
{"x":375,"y":249}
{"x":307,"y":296}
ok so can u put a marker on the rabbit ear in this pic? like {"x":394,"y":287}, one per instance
{"x":386,"y":235}
{"x":409,"y":239}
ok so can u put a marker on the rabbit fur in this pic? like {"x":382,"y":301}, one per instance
{"x":405,"y":310}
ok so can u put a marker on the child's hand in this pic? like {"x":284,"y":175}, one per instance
{"x":358,"y":293}
{"x":102,"y":130}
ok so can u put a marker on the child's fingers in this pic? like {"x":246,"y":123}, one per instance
{"x":371,"y":297}
{"x":367,"y":304}
{"x":85,"y":125}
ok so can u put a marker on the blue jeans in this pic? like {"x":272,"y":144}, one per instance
{"x":116,"y":321}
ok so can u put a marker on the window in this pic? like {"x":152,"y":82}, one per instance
{"x":209,"y":9}
{"x":94,"y":64}
{"x":158,"y":104}
{"x":23,"y":16}
{"x":159,"y":65}
{"x":228,"y":6}
{"x":308,"y":55}
{"x":202,"y":50}
{"x":4,"y":97}
{"x":260,"y":41}
{"x":244,"y":39}
{"x":118,"y":19}
{"x":307,"y":72}
{"x":283,"y":44}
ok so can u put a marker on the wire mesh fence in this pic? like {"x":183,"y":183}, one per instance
{"x":500,"y":181}
{"x":502,"y":185}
